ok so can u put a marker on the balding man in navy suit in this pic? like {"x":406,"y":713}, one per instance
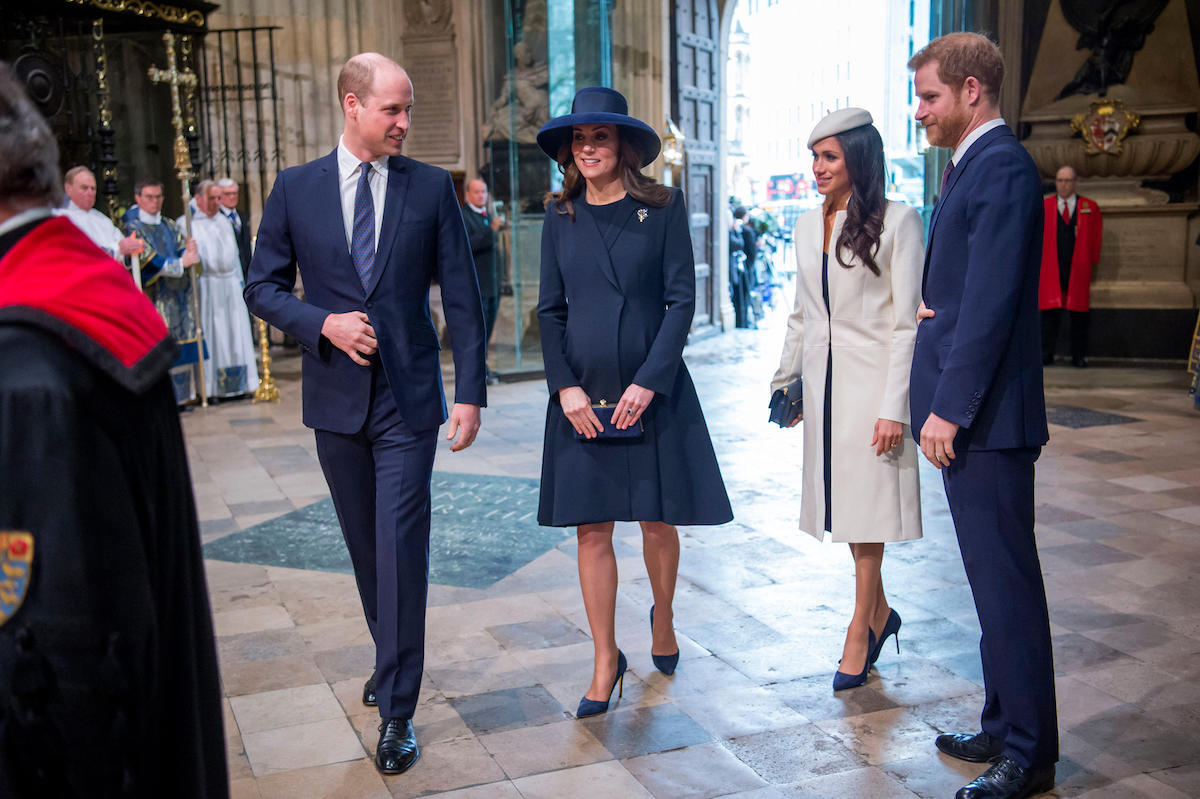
{"x":369,"y":229}
{"x":977,"y":400}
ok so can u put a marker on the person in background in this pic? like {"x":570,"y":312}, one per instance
{"x":749,"y":274}
{"x":1070,"y":251}
{"x":233,"y":369}
{"x":858,"y":284}
{"x":227,"y":193}
{"x":80,"y":186}
{"x":618,"y":291}
{"x":482,"y":227}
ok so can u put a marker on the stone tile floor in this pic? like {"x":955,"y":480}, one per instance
{"x":761,"y":611}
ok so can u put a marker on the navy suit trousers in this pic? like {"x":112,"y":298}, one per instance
{"x":991,"y":501}
{"x":379,"y":478}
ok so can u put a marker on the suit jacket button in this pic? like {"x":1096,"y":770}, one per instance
{"x":370,"y":304}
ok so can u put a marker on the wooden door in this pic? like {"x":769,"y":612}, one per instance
{"x":695,"y":87}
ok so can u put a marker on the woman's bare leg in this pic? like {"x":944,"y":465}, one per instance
{"x":868,"y":558}
{"x":660,"y":550}
{"x":598,"y":583}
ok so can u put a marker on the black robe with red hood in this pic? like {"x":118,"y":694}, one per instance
{"x":108,"y":669}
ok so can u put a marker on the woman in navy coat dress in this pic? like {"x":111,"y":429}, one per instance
{"x":617,"y":296}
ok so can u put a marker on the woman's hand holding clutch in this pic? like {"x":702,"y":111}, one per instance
{"x":578,"y":409}
{"x":633,"y":404}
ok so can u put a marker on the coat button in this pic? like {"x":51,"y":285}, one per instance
{"x":370,"y":304}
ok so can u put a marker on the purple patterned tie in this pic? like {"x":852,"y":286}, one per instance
{"x":946,"y":173}
{"x":362,"y":242}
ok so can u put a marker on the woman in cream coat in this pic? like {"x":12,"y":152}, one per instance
{"x":851,"y":337}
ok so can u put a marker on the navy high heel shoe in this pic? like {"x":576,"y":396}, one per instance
{"x":664,"y":663}
{"x":890,"y":627}
{"x":842,"y":680}
{"x":593,"y":707}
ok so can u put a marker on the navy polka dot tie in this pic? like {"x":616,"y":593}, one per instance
{"x":362,"y":245}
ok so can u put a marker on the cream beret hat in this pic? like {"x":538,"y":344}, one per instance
{"x":839,"y":121}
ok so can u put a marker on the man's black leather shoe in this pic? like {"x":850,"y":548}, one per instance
{"x":397,"y":750}
{"x":369,"y":692}
{"x":1007,"y":780}
{"x":977,"y":748}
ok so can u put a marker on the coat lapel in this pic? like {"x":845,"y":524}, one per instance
{"x":330,"y":197}
{"x":393,"y":209}
{"x":592,"y":241}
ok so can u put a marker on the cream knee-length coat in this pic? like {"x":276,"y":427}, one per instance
{"x":871,"y":328}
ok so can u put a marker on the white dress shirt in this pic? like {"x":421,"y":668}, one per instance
{"x":1068,"y":203}
{"x":98,"y":227}
{"x":973,"y":137}
{"x":349,"y":170}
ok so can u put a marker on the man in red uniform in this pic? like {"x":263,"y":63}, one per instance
{"x":1070,"y":249}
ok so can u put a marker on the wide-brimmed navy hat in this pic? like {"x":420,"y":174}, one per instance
{"x":597,"y":105}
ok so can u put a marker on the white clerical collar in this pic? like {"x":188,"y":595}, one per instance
{"x":24,"y":218}
{"x":150,"y":219}
{"x":348,"y":162}
{"x":973,"y":137}
{"x":476,"y":208}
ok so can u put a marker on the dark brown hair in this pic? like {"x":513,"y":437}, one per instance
{"x":862,"y":149}
{"x":640,"y":187}
{"x":964,"y":55}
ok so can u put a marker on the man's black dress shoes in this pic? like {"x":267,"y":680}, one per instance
{"x":397,"y":750}
{"x":1007,"y":780}
{"x":977,"y":748}
{"x":369,"y":692}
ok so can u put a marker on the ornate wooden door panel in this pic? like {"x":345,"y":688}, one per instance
{"x":695,"y":86}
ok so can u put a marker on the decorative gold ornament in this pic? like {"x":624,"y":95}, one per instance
{"x":1105,"y":126}
{"x":142,"y":8}
{"x":266,"y":391}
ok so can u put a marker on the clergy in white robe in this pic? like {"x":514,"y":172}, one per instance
{"x":80,"y":187}
{"x":232,"y":370}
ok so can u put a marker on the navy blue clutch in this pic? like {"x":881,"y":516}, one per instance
{"x":605,"y":413}
{"x":787,"y":403}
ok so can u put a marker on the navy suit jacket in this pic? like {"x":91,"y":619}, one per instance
{"x":977,"y":362}
{"x":422,"y":235}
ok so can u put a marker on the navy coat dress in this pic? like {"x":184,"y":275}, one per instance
{"x":615,"y":308}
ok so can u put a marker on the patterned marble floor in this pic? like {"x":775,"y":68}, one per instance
{"x":761,"y":611}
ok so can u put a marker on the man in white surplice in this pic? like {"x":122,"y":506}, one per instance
{"x":80,"y":186}
{"x":233,"y":371}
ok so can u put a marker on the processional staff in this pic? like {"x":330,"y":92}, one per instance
{"x":175,"y":78}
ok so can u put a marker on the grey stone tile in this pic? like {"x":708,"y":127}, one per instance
{"x":1146,"y":743}
{"x":815,"y":699}
{"x":694,"y":772}
{"x":641,"y":731}
{"x":793,"y":753}
{"x":1074,"y":652}
{"x":508,"y":709}
{"x":538,"y":634}
{"x":1083,"y":555}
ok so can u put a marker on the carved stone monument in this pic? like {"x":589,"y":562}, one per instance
{"x":431,"y":62}
{"x":1113,"y":84}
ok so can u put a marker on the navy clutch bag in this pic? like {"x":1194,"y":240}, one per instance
{"x":605,"y":413}
{"x":787,"y":403}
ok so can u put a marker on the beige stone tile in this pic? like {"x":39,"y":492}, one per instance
{"x":596,"y":781}
{"x":286,"y":707}
{"x":1140,"y":786}
{"x":336,"y":633}
{"x":256,"y":676}
{"x":251,"y":620}
{"x":872,"y":782}
{"x":243,"y":788}
{"x":357,"y":779}
{"x":315,"y":744}
{"x":460,"y":763}
{"x":495,"y":790}
{"x":550,"y":747}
